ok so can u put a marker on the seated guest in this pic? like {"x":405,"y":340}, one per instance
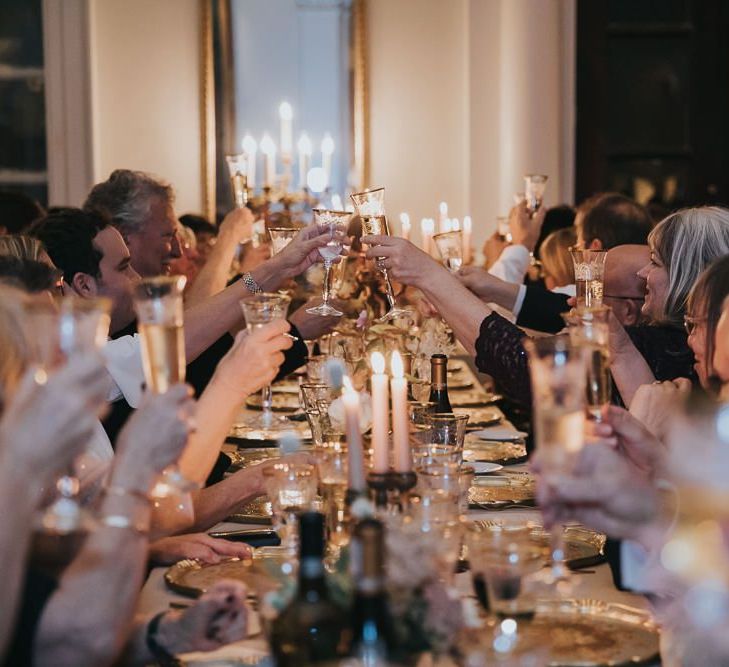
{"x":515,"y":258}
{"x":205,"y":234}
{"x":30,"y":276}
{"x":187,"y":264}
{"x":556,"y":218}
{"x":557,"y":264}
{"x":18,"y":212}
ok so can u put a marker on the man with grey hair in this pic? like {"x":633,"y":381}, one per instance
{"x":141,"y":208}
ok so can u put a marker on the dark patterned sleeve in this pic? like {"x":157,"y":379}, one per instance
{"x":500,"y":354}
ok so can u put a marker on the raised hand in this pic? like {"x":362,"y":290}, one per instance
{"x":406,"y":262}
{"x":654,"y":403}
{"x":478,"y":280}
{"x":238,"y":225}
{"x":312,"y":326}
{"x":524,"y":228}
{"x":301,"y":253}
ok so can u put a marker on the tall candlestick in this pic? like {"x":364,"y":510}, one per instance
{"x":305,"y":148}
{"x":467,"y":239}
{"x":442,"y":216}
{"x":400,"y":422}
{"x":268,"y":148}
{"x":327,"y":149}
{"x":355,"y":458}
{"x":427,"y":227}
{"x":405,"y":226}
{"x":380,"y":414}
{"x":250,"y":147}
{"x":286,"y":115}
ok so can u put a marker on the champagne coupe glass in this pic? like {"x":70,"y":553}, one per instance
{"x":534,"y":187}
{"x":450,"y":247}
{"x":370,"y":206}
{"x":238,"y":171}
{"x":159,"y":307}
{"x":72,"y":326}
{"x":589,"y":328}
{"x":281,"y":237}
{"x":558,"y":372}
{"x":589,"y":276}
{"x":258,"y":310}
{"x":335,"y":223}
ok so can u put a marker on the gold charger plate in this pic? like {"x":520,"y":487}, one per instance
{"x":482,"y":417}
{"x":279,"y":402}
{"x":505,"y":452}
{"x":577,"y":633}
{"x":193,"y":578}
{"x":242,"y":432}
{"x":242,"y":458}
{"x":501,"y":488}
{"x":472,"y":398}
{"x":256,"y":510}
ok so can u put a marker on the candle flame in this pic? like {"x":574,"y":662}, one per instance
{"x":466,"y":223}
{"x":327,"y":144}
{"x":285,"y":111}
{"x":249,"y":144}
{"x":396,"y":365}
{"x":377,"y":361}
{"x":304,"y":144}
{"x":267,"y":145}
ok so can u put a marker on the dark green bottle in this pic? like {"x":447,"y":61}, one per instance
{"x":311,"y":628}
{"x":439,"y":383}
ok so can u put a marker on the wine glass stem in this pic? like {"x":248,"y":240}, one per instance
{"x":557,"y":545}
{"x":388,"y":287}
{"x":266,"y":403}
{"x":327,"y":272}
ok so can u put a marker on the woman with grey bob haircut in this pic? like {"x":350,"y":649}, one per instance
{"x":682,"y":246}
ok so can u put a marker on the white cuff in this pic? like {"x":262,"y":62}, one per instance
{"x":521,"y":295}
{"x":512,"y":264}
{"x":124,"y":364}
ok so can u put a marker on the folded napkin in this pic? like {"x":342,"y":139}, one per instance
{"x":498,"y":433}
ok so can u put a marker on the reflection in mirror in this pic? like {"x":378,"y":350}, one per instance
{"x":285,"y":86}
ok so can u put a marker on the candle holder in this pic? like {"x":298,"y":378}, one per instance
{"x":380,"y":484}
{"x":404,"y":483}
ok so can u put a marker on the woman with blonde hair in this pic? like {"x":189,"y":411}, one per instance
{"x":557,"y":265}
{"x":23,"y":247}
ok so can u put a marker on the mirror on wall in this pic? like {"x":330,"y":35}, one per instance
{"x":288,"y":91}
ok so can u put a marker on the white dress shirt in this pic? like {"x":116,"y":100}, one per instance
{"x":124,"y":364}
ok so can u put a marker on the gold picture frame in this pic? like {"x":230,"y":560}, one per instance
{"x":216,"y":101}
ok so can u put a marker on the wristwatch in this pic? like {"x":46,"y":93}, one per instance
{"x":251,"y":284}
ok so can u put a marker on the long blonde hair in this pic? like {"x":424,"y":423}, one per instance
{"x":22,"y":247}
{"x":555,"y":256}
{"x":15,"y":352}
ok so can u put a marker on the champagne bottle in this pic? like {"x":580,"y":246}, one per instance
{"x":439,"y":383}
{"x":372,"y":640}
{"x":310,"y":629}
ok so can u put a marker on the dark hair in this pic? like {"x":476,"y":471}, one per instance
{"x":27,"y":274}
{"x":711,"y":290}
{"x":557,"y":217}
{"x":614,"y":220}
{"x":18,"y":211}
{"x":68,"y":237}
{"x":126,"y":197}
{"x":198,"y":224}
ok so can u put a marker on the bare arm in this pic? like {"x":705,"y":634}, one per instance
{"x":235,"y":228}
{"x":629,"y":368}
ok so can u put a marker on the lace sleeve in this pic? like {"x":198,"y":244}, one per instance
{"x":500,"y":354}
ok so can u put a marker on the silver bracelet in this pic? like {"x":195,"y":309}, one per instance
{"x":251,"y":284}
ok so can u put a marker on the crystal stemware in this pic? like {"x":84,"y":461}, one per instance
{"x":534,"y":187}
{"x":370,"y":207}
{"x":238,"y":172}
{"x":558,"y":373}
{"x":281,"y":237}
{"x":450,"y":247}
{"x":259,"y":310}
{"x":589,"y":276}
{"x":335,"y":223}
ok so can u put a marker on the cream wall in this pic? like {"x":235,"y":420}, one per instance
{"x":145,"y":63}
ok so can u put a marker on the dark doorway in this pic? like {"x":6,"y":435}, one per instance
{"x":653,"y":100}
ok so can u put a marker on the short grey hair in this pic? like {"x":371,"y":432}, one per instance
{"x":687,"y":242}
{"x":126,"y":197}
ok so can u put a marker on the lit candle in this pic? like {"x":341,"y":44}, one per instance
{"x":286,"y":115}
{"x":400,"y":422}
{"x":380,"y":414}
{"x":305,"y":149}
{"x":427,"y":227}
{"x":443,"y":216}
{"x":268,"y":148}
{"x":327,"y":149}
{"x":250,"y":147}
{"x":355,"y":457}
{"x":405,"y":226}
{"x":467,"y":239}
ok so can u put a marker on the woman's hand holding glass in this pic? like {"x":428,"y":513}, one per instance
{"x":302,"y":252}
{"x":405,"y":262}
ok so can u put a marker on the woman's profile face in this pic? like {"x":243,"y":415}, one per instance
{"x":655,"y":275}
{"x":697,"y":335}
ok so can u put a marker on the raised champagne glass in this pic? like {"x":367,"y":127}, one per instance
{"x":71,"y":326}
{"x":589,"y":276}
{"x":238,"y":171}
{"x":450,"y":247}
{"x":281,"y":237}
{"x":159,"y":308}
{"x":370,"y":207}
{"x":335,"y":224}
{"x":259,"y":310}
{"x":558,"y":372}
{"x":534,"y":187}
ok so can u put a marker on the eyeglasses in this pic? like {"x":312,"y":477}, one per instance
{"x":690,"y":323}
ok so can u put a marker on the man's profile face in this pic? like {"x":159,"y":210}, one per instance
{"x":118,"y":277}
{"x":155,"y":245}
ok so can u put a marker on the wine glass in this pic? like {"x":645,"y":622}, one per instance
{"x":589,"y":276}
{"x":70,"y":326}
{"x":281,"y":237}
{"x":558,"y":374}
{"x":450,"y":247}
{"x":258,"y":310}
{"x":238,"y":171}
{"x":159,"y":308}
{"x":534,"y":187}
{"x":370,"y":206}
{"x":335,"y":223}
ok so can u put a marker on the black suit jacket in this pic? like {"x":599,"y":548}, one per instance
{"x":542,"y":310}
